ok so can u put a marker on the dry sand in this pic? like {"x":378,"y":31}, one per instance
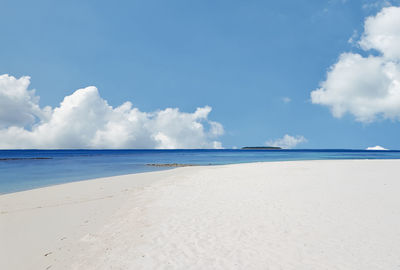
{"x":342,"y":214}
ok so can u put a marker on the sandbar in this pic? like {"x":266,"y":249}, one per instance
{"x":336,"y":214}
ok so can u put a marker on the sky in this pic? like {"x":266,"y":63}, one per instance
{"x":200,"y":74}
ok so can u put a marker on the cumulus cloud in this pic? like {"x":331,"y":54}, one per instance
{"x":368,"y":87}
{"x":287,"y":141}
{"x":85,"y":120}
{"x":382,"y":33}
{"x":18,"y":106}
{"x":378,"y":147}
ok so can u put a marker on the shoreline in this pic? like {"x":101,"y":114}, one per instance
{"x":172,"y":166}
{"x":251,"y":215}
{"x":57,"y":216}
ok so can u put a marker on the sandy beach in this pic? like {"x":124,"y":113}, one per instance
{"x":341,"y":214}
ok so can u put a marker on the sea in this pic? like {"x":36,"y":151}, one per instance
{"x":28,"y":169}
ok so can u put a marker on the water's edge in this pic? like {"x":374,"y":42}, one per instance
{"x":28,"y":169}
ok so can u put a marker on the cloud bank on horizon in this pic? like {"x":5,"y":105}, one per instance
{"x":367,"y":87}
{"x":85,"y":120}
{"x":378,"y":147}
{"x":287,"y":141}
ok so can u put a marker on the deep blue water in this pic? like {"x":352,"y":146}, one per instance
{"x":19,"y":170}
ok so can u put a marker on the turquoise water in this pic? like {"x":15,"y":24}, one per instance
{"x":27,"y":169}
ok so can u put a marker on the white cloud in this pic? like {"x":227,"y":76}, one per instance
{"x":286,"y":99}
{"x":382,"y":33}
{"x":85,"y":120}
{"x":287,"y":141}
{"x":367,"y":87}
{"x":376,"y":148}
{"x":18,"y":106}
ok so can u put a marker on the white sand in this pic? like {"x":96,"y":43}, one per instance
{"x":279,"y":215}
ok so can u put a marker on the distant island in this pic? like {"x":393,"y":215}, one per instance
{"x":261,"y":148}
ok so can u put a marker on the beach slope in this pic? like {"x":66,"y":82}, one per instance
{"x":341,"y":214}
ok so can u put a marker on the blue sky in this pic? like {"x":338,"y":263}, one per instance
{"x":242,"y":58}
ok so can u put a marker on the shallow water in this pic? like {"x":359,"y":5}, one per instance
{"x":27,"y":169}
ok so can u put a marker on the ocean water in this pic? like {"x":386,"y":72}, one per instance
{"x":27,"y":169}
